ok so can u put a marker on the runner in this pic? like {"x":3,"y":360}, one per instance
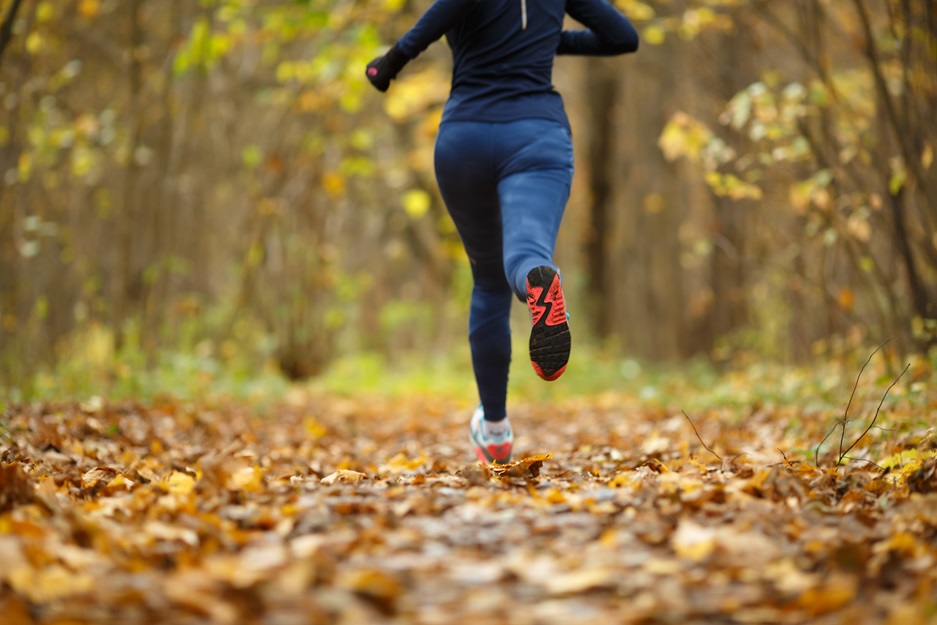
{"x":504,"y":165}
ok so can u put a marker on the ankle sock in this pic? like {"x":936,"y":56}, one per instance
{"x":496,"y":429}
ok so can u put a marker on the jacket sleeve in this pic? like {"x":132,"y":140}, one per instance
{"x":441,"y":17}
{"x":608,"y":31}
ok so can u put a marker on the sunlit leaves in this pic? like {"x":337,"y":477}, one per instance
{"x":655,"y":24}
{"x":732,"y":186}
{"x":203,"y":48}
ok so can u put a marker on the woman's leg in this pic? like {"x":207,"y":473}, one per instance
{"x":468,"y":183}
{"x":535,"y":178}
{"x":536,"y":174}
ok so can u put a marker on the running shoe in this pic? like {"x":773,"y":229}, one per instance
{"x":549,"y":332}
{"x":490,"y":448}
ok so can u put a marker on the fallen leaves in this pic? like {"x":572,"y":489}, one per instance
{"x":368,"y":513}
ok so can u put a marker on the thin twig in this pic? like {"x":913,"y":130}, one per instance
{"x":842,"y":438}
{"x":816,"y":453}
{"x":877,"y":410}
{"x":783,"y":455}
{"x":863,"y":460}
{"x":700,"y":437}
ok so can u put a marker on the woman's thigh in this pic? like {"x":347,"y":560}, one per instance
{"x":467,"y":180}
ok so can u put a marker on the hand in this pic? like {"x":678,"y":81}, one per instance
{"x":385,"y":68}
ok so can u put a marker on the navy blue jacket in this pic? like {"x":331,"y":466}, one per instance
{"x":503,"y":52}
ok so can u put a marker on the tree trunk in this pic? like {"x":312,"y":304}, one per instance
{"x":602,"y":82}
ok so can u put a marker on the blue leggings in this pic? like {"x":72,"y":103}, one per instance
{"x":505,"y":186}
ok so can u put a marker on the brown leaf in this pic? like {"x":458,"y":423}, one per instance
{"x":15,"y":486}
{"x":381,"y":588}
{"x":924,"y":478}
{"x":97,"y":477}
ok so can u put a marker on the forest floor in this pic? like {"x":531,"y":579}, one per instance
{"x":326,"y":509}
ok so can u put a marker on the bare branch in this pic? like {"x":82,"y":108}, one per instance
{"x":6,"y":28}
{"x":786,"y":461}
{"x":816,"y":454}
{"x":855,"y":386}
{"x":877,"y":410}
{"x":863,"y":460}
{"x":699,"y":437}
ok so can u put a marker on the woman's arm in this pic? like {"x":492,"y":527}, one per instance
{"x":440,"y":18}
{"x":609,"y":32}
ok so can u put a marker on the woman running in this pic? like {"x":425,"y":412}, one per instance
{"x":504,"y":165}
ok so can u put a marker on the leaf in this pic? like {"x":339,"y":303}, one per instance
{"x":96,"y":476}
{"x":378,"y":586}
{"x":524,"y":468}
{"x":653,"y":34}
{"x":180,"y":483}
{"x":416,"y":203}
{"x":401,"y":464}
{"x":15,"y":486}
{"x":345,"y":476}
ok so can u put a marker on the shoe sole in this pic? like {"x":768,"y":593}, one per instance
{"x":550,"y":340}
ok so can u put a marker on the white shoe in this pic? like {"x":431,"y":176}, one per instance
{"x":490,"y":448}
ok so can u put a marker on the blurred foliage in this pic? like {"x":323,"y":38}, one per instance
{"x":212,"y":187}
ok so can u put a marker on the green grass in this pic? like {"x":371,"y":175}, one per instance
{"x":210,"y":373}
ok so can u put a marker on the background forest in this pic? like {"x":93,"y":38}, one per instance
{"x":215,"y":180}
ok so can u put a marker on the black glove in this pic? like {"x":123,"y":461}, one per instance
{"x":385,"y":68}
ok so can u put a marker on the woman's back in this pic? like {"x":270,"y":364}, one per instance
{"x":503,"y":52}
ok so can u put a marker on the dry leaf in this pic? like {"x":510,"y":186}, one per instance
{"x":15,"y":486}
{"x":343,"y":475}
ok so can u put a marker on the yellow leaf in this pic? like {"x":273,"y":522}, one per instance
{"x":314,"y":429}
{"x":401,"y":464}
{"x":33,"y":42}
{"x":120,"y":482}
{"x":416,"y":203}
{"x":45,"y":12}
{"x":180,"y":483}
{"x":250,"y":479}
{"x":684,"y":136}
{"x":654,"y":35}
{"x":50,"y":583}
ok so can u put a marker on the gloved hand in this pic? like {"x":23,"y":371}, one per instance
{"x":385,"y":68}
